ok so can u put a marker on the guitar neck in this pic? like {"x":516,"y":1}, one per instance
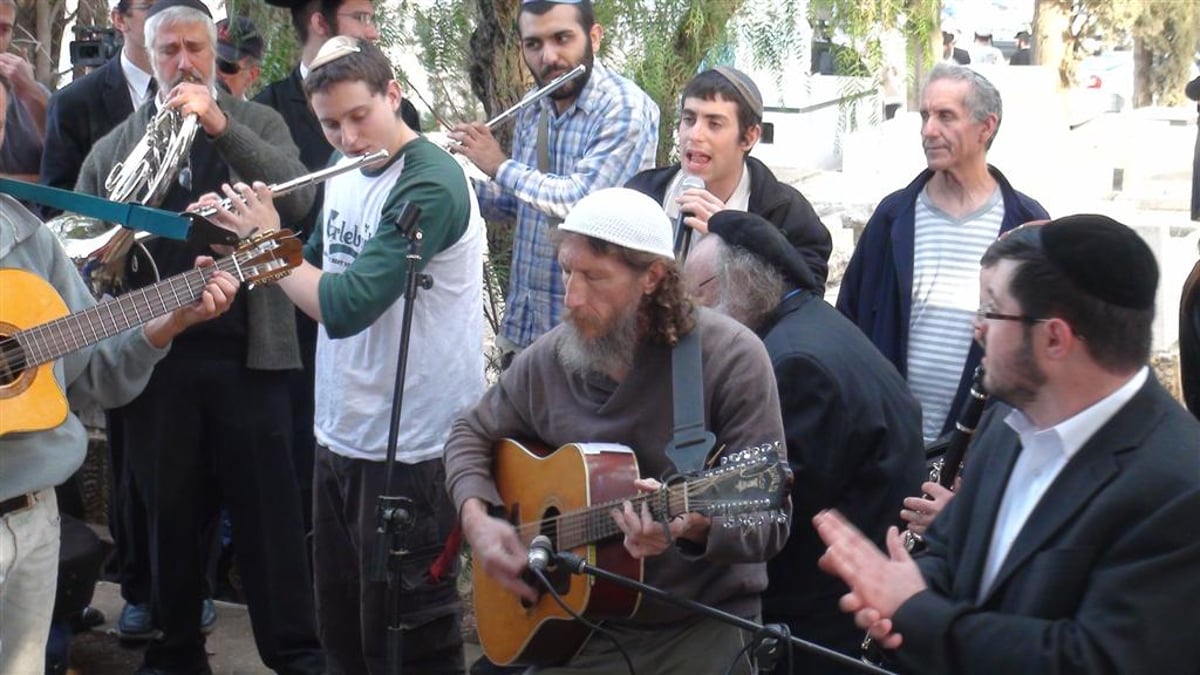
{"x":595,"y":523}
{"x":70,"y":333}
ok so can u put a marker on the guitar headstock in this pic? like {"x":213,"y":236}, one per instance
{"x":266,"y":257}
{"x":753,"y":481}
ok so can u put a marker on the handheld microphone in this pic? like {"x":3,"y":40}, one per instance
{"x":541,"y":552}
{"x":683,"y":233}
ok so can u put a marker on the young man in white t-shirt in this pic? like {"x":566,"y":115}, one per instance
{"x":353,"y":283}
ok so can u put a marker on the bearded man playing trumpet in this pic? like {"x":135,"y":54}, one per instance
{"x":214,"y":419}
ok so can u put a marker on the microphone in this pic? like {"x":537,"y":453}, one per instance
{"x":541,"y":552}
{"x":683,"y":233}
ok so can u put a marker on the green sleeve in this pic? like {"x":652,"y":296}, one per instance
{"x":314,"y":249}
{"x":353,"y":299}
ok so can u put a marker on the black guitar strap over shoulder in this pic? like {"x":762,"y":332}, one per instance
{"x":692,"y":441}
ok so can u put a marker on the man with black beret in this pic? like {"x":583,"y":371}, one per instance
{"x":853,"y":430}
{"x":1067,"y":549}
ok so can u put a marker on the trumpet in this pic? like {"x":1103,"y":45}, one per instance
{"x":279,"y":189}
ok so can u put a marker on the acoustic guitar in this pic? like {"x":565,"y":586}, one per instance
{"x":567,"y":495}
{"x":36,"y":330}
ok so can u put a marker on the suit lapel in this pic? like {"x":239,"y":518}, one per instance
{"x":1001,"y":457}
{"x":116,"y":93}
{"x":1084,"y":475}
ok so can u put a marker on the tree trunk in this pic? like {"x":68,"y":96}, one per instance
{"x":922,"y":53}
{"x":1052,"y":38}
{"x":497,"y":77}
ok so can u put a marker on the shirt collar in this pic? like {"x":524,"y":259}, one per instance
{"x":1073,"y":432}
{"x":303,"y":71}
{"x":137,"y":78}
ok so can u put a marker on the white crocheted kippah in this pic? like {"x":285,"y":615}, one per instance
{"x":623,"y":217}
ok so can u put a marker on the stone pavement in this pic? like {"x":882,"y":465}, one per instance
{"x":231,"y":648}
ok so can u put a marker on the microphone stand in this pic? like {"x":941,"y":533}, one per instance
{"x":394,"y":513}
{"x":770,"y":636}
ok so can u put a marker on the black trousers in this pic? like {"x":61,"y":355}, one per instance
{"x":351,"y":609}
{"x":207,"y":430}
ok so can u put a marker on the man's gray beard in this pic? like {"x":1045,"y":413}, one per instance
{"x":613,"y":351}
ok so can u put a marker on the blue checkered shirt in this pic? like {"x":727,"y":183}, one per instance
{"x":607,"y":135}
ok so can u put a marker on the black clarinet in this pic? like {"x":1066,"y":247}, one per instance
{"x":946,"y":469}
{"x":943,"y":472}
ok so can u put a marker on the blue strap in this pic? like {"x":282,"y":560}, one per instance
{"x":692,"y":442}
{"x":134,"y":216}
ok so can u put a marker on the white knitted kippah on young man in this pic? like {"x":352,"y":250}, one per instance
{"x":623,"y":217}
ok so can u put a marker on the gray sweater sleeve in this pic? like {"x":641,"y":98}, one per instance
{"x":257,"y":145}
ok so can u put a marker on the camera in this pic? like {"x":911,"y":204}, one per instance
{"x":94,"y":45}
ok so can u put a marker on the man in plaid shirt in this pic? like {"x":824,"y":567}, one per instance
{"x":598,"y":130}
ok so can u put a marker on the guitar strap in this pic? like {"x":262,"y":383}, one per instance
{"x":543,"y":154}
{"x":692,"y":441}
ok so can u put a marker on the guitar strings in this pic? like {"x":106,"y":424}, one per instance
{"x":575,"y":524}
{"x":39,"y":344}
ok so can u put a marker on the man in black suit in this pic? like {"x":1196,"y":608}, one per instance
{"x":1068,"y":548}
{"x":853,"y":430}
{"x":82,"y":112}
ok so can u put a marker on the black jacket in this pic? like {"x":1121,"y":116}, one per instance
{"x":79,"y":115}
{"x":778,"y":202}
{"x":853,"y":435}
{"x":1100,"y":579}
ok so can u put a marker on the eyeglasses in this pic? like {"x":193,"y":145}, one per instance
{"x":981,"y":314}
{"x":365,"y":18}
{"x":707,"y":281}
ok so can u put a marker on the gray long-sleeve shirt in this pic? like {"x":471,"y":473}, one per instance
{"x":536,"y":399}
{"x":107,"y":374}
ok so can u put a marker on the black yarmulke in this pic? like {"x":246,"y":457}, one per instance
{"x":760,"y":237}
{"x":167,"y":4}
{"x":1106,"y":259}
{"x":287,"y":4}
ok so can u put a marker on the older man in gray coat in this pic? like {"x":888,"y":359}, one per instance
{"x":214,"y":418}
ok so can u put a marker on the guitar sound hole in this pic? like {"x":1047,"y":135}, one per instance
{"x":12,"y":360}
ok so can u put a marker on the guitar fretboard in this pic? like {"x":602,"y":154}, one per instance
{"x":62,"y":336}
{"x":595,"y":523}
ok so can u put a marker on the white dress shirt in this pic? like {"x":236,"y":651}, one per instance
{"x":137,"y":80}
{"x":1044,"y":453}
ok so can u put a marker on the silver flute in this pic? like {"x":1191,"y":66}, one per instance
{"x":539,"y":94}
{"x":307,"y":179}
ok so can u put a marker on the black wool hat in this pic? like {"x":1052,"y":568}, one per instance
{"x":288,"y":4}
{"x":1104,"y":258}
{"x":167,"y":4}
{"x":760,"y":237}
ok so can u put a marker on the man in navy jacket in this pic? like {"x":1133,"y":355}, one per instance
{"x":948,"y":215}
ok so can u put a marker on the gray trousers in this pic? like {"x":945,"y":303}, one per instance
{"x":698,"y":646}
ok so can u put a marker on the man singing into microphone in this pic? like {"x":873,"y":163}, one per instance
{"x":720,"y":120}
